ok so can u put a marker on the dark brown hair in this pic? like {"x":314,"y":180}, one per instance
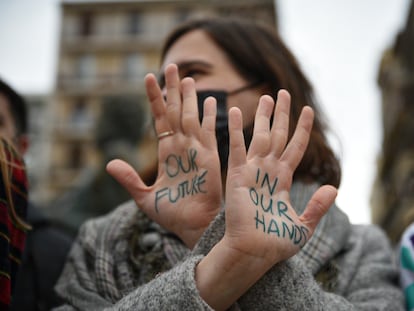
{"x":17,"y":106}
{"x":257,"y":52}
{"x":14,"y":182}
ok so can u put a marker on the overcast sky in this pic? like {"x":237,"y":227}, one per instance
{"x":338,"y":43}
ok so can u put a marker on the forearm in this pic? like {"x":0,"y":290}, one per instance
{"x":174,"y":288}
{"x":225,"y":276}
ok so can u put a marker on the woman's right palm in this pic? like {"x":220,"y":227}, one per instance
{"x":187,"y":193}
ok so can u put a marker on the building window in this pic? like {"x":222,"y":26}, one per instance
{"x":104,"y":26}
{"x":80,"y":119}
{"x":86,"y":69}
{"x":75,"y":156}
{"x":85,"y":24}
{"x":134,"y":67}
{"x":182,"y":15}
{"x":70,"y":27}
{"x":134,"y":23}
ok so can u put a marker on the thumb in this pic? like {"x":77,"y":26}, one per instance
{"x":126,"y":175}
{"x":318,"y":205}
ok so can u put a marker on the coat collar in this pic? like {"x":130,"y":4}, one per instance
{"x":330,"y":235}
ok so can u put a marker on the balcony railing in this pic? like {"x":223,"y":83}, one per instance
{"x":100,"y":83}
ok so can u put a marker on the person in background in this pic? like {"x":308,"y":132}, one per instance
{"x":406,"y":261}
{"x":13,"y":228}
{"x":46,"y":245}
{"x":241,"y":215}
{"x":117,"y":135}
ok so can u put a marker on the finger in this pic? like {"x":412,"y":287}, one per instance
{"x":126,"y":175}
{"x":261,"y":133}
{"x":237,"y":152}
{"x":172,"y":84}
{"x":318,"y":205}
{"x":157,"y":103}
{"x":189,"y":119}
{"x":297,"y":146}
{"x":280,"y":127}
{"x":208,"y":125}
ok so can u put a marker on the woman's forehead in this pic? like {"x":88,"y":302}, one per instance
{"x":194,"y":46}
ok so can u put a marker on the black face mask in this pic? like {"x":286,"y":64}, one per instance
{"x":222,"y":130}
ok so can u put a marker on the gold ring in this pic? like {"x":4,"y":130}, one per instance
{"x":165,"y":134}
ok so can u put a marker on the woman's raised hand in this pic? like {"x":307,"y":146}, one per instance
{"x":260,"y":220}
{"x":262,"y":228}
{"x":187,"y":193}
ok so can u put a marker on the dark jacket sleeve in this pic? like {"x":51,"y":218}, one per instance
{"x":44,"y":256}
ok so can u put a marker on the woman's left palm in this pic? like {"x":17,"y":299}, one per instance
{"x":260,"y":220}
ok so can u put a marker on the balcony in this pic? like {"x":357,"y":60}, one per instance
{"x":100,"y":85}
{"x":82,"y":44}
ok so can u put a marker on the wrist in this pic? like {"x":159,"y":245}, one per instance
{"x":226,"y":273}
{"x":190,"y":237}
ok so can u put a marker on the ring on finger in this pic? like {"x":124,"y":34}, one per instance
{"x":165,"y":134}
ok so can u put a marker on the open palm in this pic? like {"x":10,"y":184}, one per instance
{"x":186,"y":195}
{"x":260,"y":221}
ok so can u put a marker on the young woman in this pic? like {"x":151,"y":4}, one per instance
{"x":241,"y":214}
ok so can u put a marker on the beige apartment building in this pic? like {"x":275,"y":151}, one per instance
{"x":105,"y":49}
{"x":392,"y":197}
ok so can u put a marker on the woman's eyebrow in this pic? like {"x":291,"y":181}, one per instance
{"x":182,"y":66}
{"x":188,"y":64}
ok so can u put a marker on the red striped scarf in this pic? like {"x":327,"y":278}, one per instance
{"x":12,"y":230}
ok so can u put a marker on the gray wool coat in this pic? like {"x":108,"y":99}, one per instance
{"x":123,"y":261}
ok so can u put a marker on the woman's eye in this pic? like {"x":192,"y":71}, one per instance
{"x":192,"y":73}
